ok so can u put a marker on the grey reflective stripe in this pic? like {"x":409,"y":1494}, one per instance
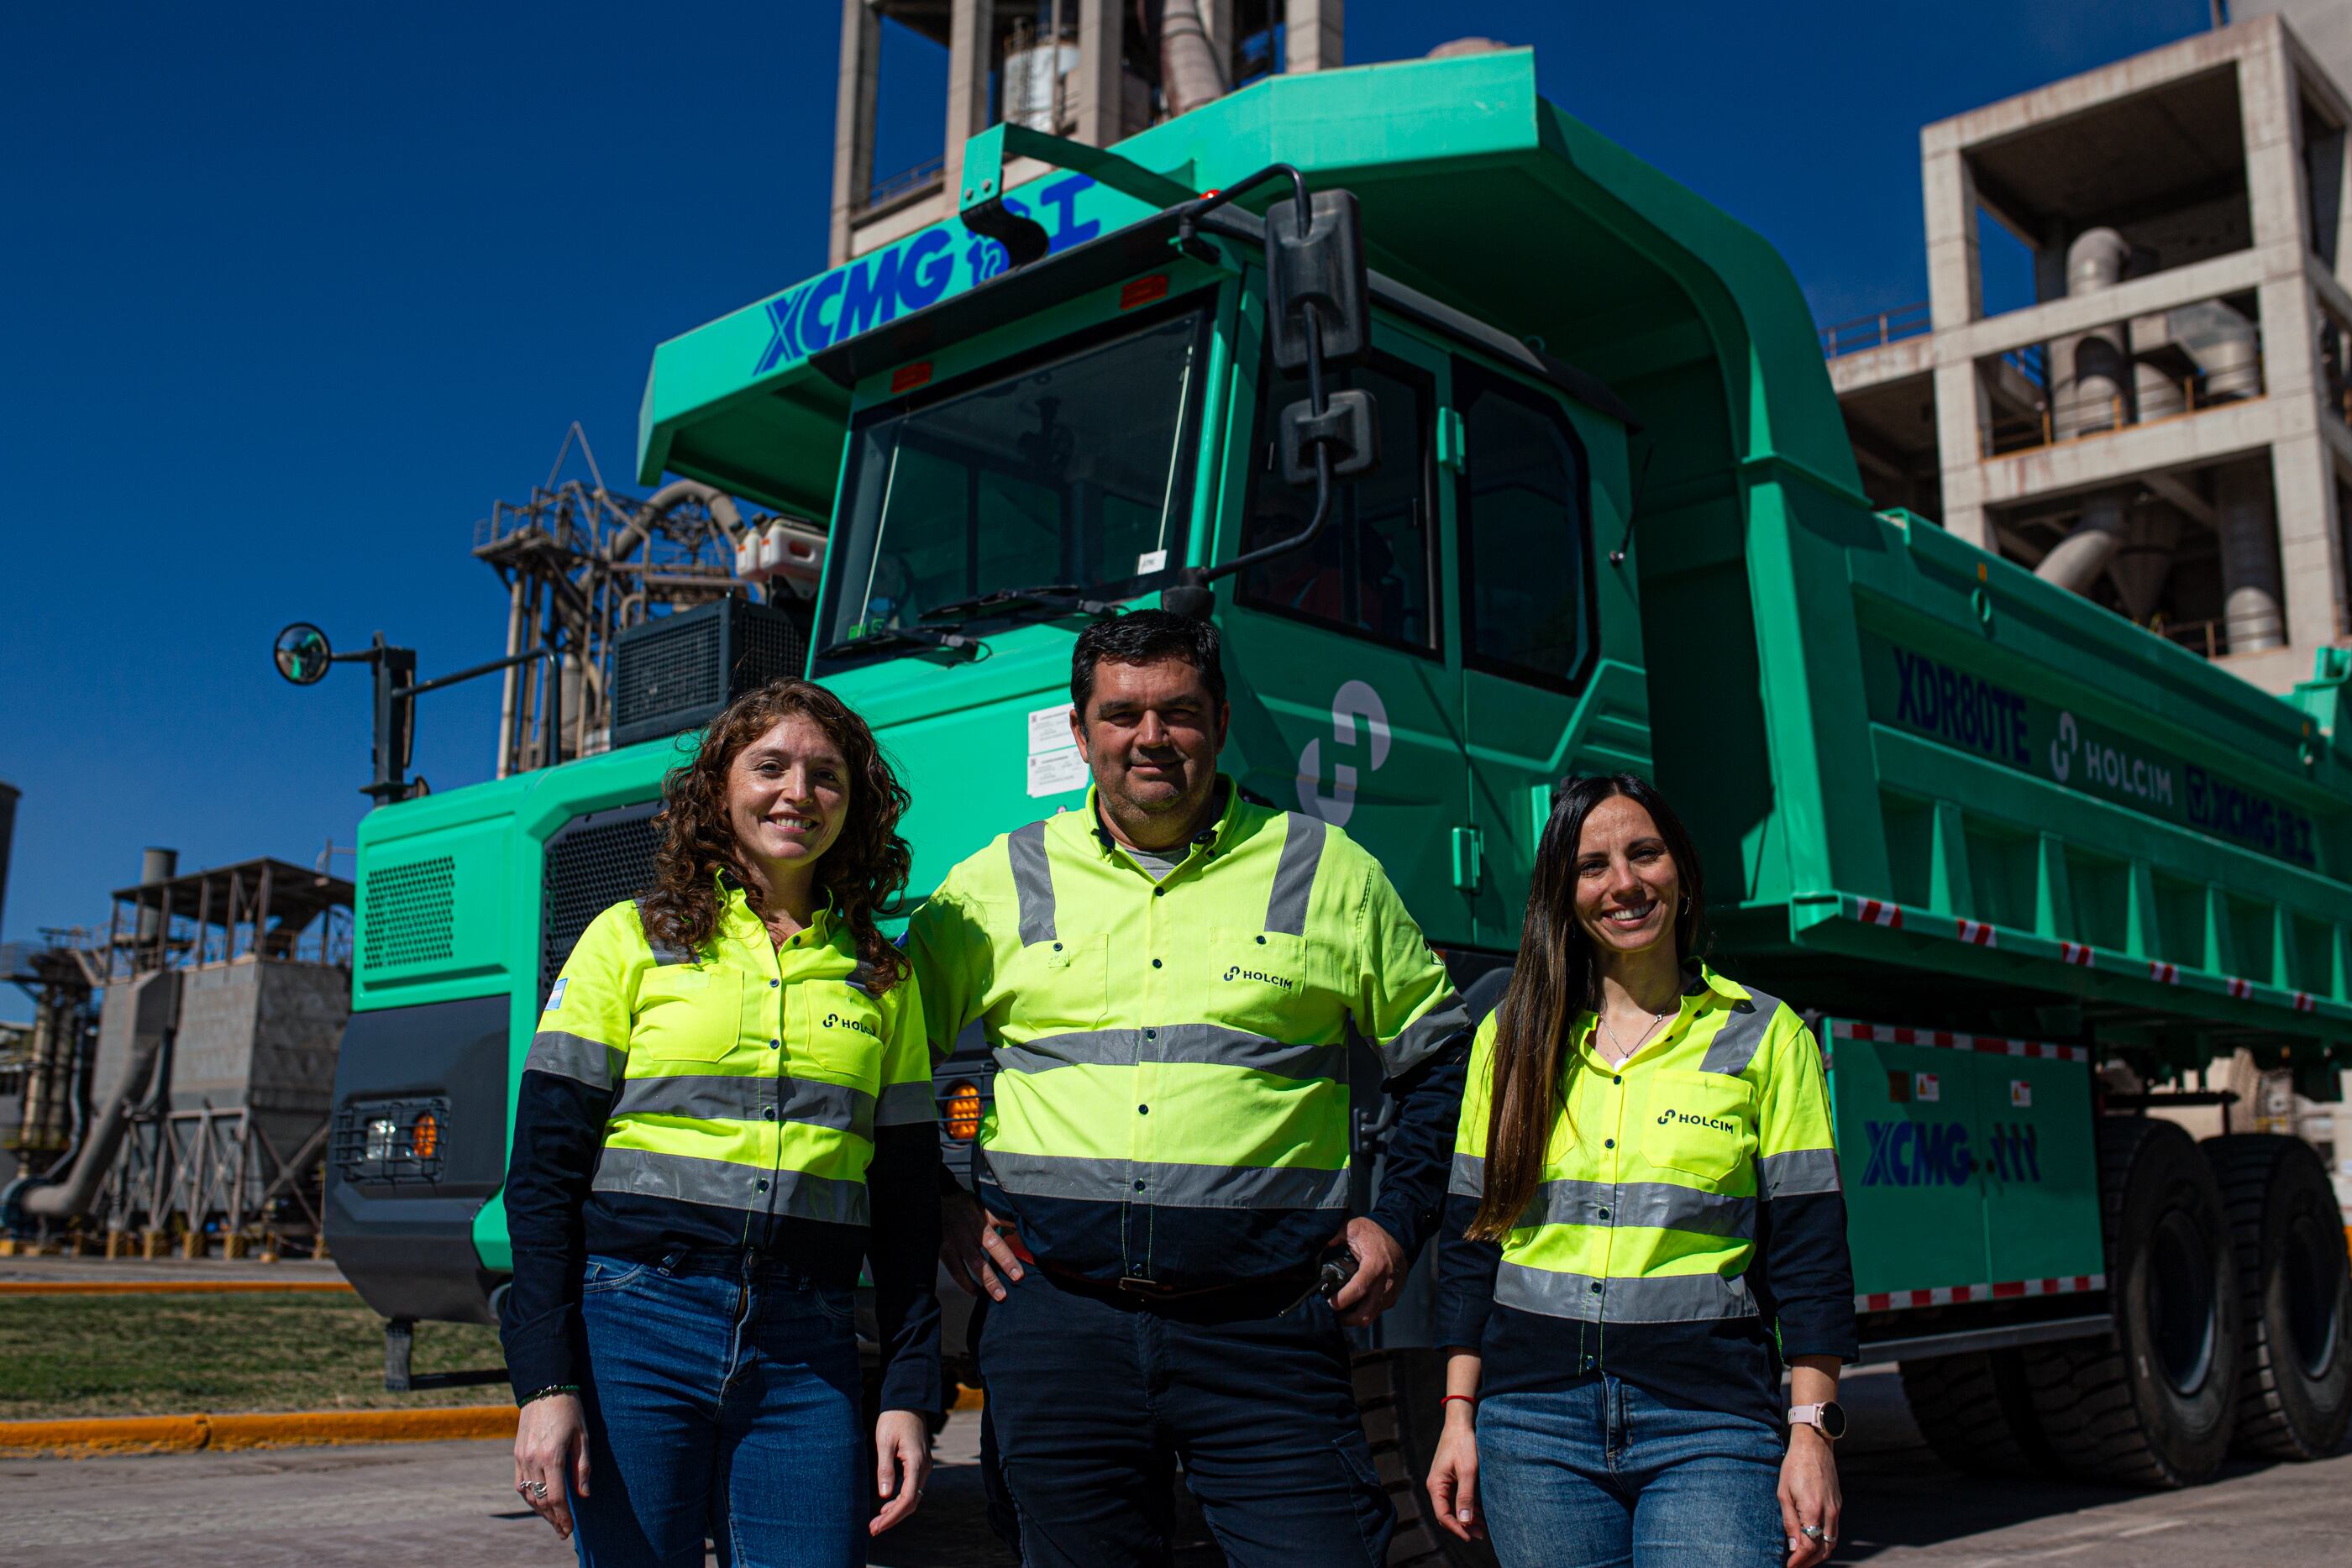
{"x":1469,"y":1176}
{"x":1033,"y":882}
{"x":906,"y":1104}
{"x":1656,"y":1204}
{"x":573,"y":1056}
{"x":1742,"y":1030}
{"x":1659,"y":1299}
{"x":1189,"y":1043}
{"x":1800,"y":1171}
{"x":714,"y":1097}
{"x":1425,"y":1035}
{"x":1294,"y":874}
{"x":722,"y":1184}
{"x":1171,"y":1185}
{"x":862,"y":978}
{"x":662,"y":951}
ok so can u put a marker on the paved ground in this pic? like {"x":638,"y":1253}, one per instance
{"x":447,"y":1502}
{"x":176,"y":1271}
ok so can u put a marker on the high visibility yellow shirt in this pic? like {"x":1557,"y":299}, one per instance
{"x":1689,"y":1222}
{"x":1172,"y":1102}
{"x":748,"y":1096}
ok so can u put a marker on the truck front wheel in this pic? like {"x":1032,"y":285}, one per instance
{"x":1400,"y":1394}
{"x":1976,"y":1413}
{"x":2154,"y":1404}
{"x":2294,"y":1290}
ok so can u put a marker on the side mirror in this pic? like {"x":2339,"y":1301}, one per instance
{"x":1320,"y":269}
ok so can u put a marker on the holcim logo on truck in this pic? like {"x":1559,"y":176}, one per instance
{"x":2107,"y":765}
{"x":1354,"y":700}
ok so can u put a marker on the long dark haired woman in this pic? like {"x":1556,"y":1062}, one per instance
{"x":728,"y":1105}
{"x":1645,"y":1219}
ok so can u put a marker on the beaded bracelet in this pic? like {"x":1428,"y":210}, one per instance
{"x":543,"y":1393}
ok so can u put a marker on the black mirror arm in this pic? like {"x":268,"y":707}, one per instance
{"x":1201,"y":577}
{"x":1188,"y":225}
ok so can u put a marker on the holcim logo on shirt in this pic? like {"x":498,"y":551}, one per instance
{"x":1688,"y":1119}
{"x":863,"y":1025}
{"x":1260,"y":976}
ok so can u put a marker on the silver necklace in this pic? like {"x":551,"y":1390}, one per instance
{"x":1624,"y":1055}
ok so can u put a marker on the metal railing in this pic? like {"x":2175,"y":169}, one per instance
{"x":2209,"y":638}
{"x":1875,"y":332}
{"x":2073,"y":419}
{"x":930,"y":172}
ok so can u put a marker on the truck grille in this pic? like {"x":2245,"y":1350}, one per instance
{"x":410,"y":913}
{"x":592,"y":862}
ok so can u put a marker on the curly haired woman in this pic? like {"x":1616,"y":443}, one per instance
{"x":727,"y":1107}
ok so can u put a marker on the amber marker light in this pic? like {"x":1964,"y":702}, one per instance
{"x":963,"y":1111}
{"x":425,"y":1136}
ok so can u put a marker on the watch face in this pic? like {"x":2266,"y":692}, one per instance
{"x":1832,"y":1420}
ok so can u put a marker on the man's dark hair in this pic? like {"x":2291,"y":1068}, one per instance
{"x":1146,"y":637}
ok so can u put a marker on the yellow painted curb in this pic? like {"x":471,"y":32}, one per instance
{"x":168,"y":1434}
{"x":164,"y":1286}
{"x":967,"y":1399}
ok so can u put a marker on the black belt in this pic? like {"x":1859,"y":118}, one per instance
{"x":1268,"y":1295}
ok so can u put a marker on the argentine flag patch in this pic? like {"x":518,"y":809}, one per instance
{"x":555,"y":997}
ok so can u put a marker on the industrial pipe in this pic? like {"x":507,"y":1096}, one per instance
{"x":2075,"y":562}
{"x":1190,"y":75}
{"x":668,"y":500}
{"x":2095,"y":363}
{"x":2251,"y":588}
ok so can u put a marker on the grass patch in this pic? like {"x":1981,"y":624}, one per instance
{"x":178,"y":1354}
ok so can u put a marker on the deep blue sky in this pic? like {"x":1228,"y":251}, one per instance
{"x":293,"y":292}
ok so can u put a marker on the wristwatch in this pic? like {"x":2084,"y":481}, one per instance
{"x":1828,"y":1418}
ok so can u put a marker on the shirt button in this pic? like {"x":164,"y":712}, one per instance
{"x":1604,"y":1214}
{"x":1155,"y":963}
{"x":763,"y":1186}
{"x":1617,"y":1080}
{"x":775,"y":1045}
{"x":774,"y":984}
{"x":770,"y":1114}
{"x":1139,"y":1187}
{"x":1143,"y":1110}
{"x":1151,"y":1034}
{"x":1606,"y":1143}
{"x":1159,"y":892}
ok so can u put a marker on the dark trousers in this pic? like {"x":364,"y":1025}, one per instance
{"x":1095,"y":1398}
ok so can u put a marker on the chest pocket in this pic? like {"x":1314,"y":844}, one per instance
{"x":686,"y":1012}
{"x":1701,"y":1124}
{"x":1256,"y":981}
{"x":838,"y":1029}
{"x":1060,"y":985}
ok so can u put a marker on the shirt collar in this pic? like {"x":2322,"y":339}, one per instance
{"x":1698,"y":976}
{"x":1211,"y":837}
{"x":736,"y":918}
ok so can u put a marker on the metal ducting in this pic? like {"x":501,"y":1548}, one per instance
{"x":2075,"y":562}
{"x":2250,"y":587}
{"x":1190,"y":74}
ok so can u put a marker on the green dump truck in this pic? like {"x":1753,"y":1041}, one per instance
{"x":2028,"y":867}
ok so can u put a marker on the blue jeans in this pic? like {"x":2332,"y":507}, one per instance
{"x":1095,"y":1398}
{"x":1603,"y":1476}
{"x":722,"y":1398}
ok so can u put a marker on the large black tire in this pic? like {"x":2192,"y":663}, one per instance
{"x":2294,"y":1293}
{"x":1976,"y":1411}
{"x":2154,"y":1404}
{"x":1400,"y":1392}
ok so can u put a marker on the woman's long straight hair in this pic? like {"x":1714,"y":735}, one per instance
{"x":1555,"y":979}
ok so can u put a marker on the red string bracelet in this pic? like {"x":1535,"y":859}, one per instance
{"x":1466,"y":1398}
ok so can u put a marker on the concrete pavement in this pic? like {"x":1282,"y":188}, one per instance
{"x":448,"y":1503}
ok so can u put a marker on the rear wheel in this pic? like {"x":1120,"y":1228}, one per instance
{"x":2154,"y":1404}
{"x":1401,"y":1395}
{"x":1976,"y":1412}
{"x":2294,"y":1292}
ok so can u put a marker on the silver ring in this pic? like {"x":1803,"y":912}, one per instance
{"x":1813,"y":1533}
{"x":539,"y":1488}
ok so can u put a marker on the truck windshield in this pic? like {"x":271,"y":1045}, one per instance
{"x":1075,"y":470}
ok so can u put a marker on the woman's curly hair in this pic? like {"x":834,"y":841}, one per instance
{"x":864,"y":870}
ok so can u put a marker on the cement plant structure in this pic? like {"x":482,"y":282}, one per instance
{"x":2165,"y":428}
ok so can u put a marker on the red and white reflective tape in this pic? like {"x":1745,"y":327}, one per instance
{"x":2162,"y":973}
{"x":1978,"y":932}
{"x":1945,"y":1039}
{"x":1958,"y":1295}
{"x":2305,"y":1003}
{"x":2240,"y":990}
{"x":1876,"y":912}
{"x":2075,"y":953}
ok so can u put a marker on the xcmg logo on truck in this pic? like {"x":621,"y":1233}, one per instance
{"x":906,"y":277}
{"x":1937,"y":1153}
